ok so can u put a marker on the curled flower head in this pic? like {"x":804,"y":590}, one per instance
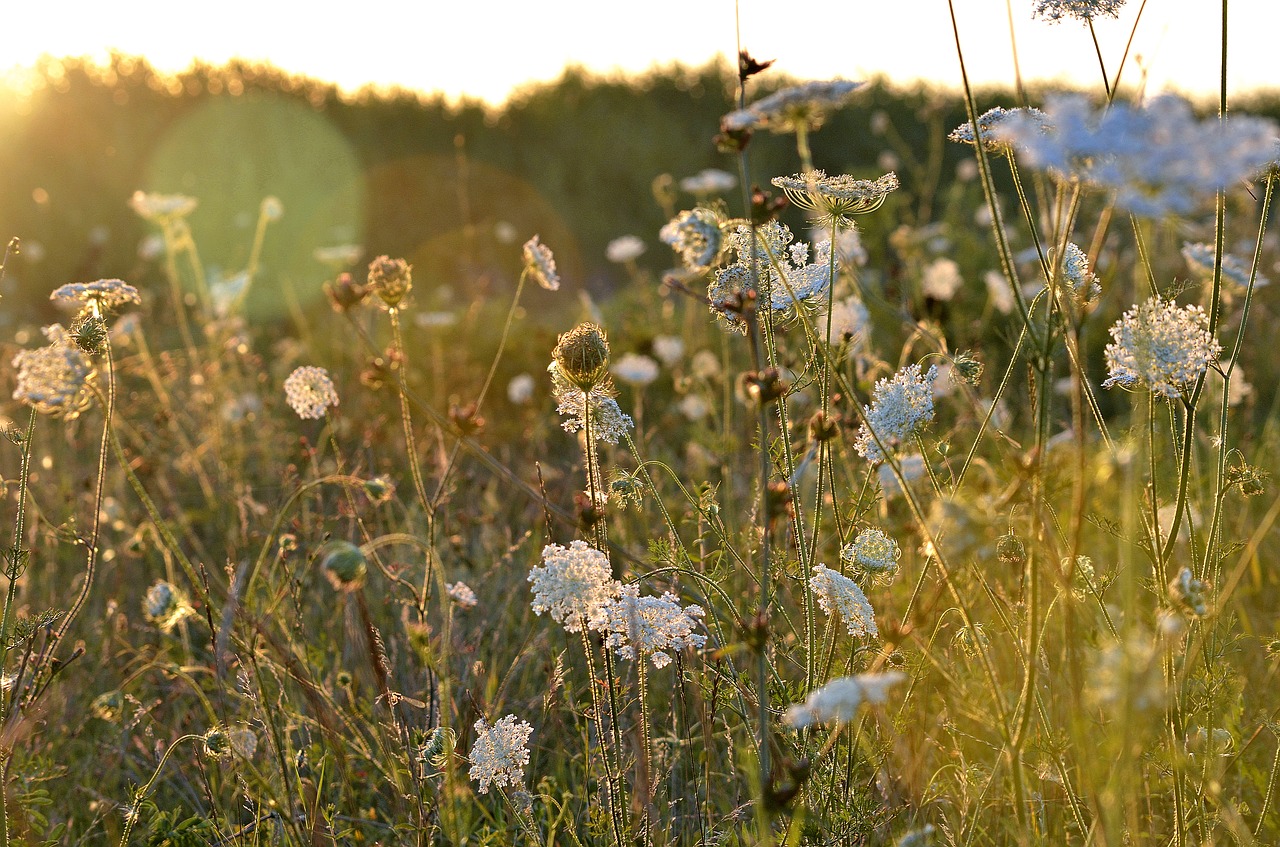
{"x":500,"y":753}
{"x":650,"y":626}
{"x":54,"y":379}
{"x":344,"y":565}
{"x":390,"y":279}
{"x":696,"y":236}
{"x":837,"y":593}
{"x":839,"y":700}
{"x":161,"y":208}
{"x":583,"y":355}
{"x":541,"y":264}
{"x":310,"y":392}
{"x":1162,"y":347}
{"x":572,"y":584}
{"x":900,"y":406}
{"x":873,"y":552}
{"x":836,"y":198}
{"x":803,"y":106}
{"x":106,"y":294}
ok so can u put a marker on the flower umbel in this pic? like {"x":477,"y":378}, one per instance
{"x":54,"y":379}
{"x":500,"y":752}
{"x":648,"y":625}
{"x":836,"y":198}
{"x":1082,"y":10}
{"x":107,"y":294}
{"x":838,"y":593}
{"x":310,"y":392}
{"x":541,"y":264}
{"x":696,"y":237}
{"x":839,"y":700}
{"x":1162,"y":347}
{"x":899,"y":407}
{"x":572,"y":584}
{"x":872,"y":552}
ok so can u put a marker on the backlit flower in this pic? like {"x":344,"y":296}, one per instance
{"x":500,"y":752}
{"x":837,"y":593}
{"x":541,"y":264}
{"x":899,"y":407}
{"x":572,"y":584}
{"x":310,"y":392}
{"x":839,"y":700}
{"x":650,"y":626}
{"x":1162,"y":347}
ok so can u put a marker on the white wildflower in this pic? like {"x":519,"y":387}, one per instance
{"x":836,"y":198}
{"x":624,"y":249}
{"x":520,"y":389}
{"x":161,"y":207}
{"x":572,"y":584}
{"x":461,"y":593}
{"x":839,"y":700}
{"x":900,"y":406}
{"x":500,"y":752}
{"x":1161,"y":347}
{"x":635,"y":369}
{"x":1082,"y":10}
{"x":872,"y":552}
{"x":941,"y":279}
{"x":1235,"y":272}
{"x":608,"y":422}
{"x":709,"y":181}
{"x":108,"y":294}
{"x":669,"y":349}
{"x":651,"y":626}
{"x":1075,"y":270}
{"x":310,"y":392}
{"x":541,"y":264}
{"x":989,"y":121}
{"x":798,"y":106}
{"x":838,"y":593}
{"x":696,"y":237}
{"x":54,"y":379}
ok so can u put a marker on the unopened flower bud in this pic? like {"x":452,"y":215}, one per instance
{"x":344,"y":565}
{"x":583,"y":355}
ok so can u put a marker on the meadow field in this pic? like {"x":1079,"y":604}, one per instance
{"x":713,"y":458}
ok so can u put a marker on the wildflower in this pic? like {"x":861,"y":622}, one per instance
{"x":669,"y":349}
{"x":500,"y":752}
{"x":1082,"y":10}
{"x":626,"y":489}
{"x":165,"y":605}
{"x":345,"y":293}
{"x":1188,"y":594}
{"x":797,"y":107}
{"x":438,"y":748}
{"x":1161,"y":347}
{"x":912,"y":469}
{"x":1158,"y":159}
{"x":582,"y":355}
{"x":161,"y":207}
{"x":873,"y":552}
{"x":461,"y":593}
{"x":624,"y":249}
{"x":648,"y":625}
{"x":1075,"y":270}
{"x":988,"y":122}
{"x":107,"y":294}
{"x":54,"y":379}
{"x":390,"y":279}
{"x":310,"y":392}
{"x":839,"y":700}
{"x":836,"y":198}
{"x":838,"y":593}
{"x":520,"y":389}
{"x":776,"y":259}
{"x":941,"y":280}
{"x":709,"y":181}
{"x":541,"y":264}
{"x":635,"y":369}
{"x":1235,"y":273}
{"x":696,"y":237}
{"x":850,"y":323}
{"x":694,"y":407}
{"x":344,"y":565}
{"x":900,"y":406}
{"x":572,"y":584}
{"x":608,"y":422}
{"x":998,"y":292}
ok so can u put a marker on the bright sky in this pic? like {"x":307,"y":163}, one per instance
{"x":485,"y":48}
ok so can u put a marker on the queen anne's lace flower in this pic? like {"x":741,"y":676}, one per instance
{"x":635,"y":369}
{"x":899,"y":407}
{"x":775,"y":257}
{"x":836,"y":198}
{"x":541,"y":264}
{"x":1082,"y":281}
{"x":838,"y":593}
{"x":165,"y":605}
{"x":1161,"y":347}
{"x":310,"y":392}
{"x":803,"y":106}
{"x":53,"y":379}
{"x":709,"y":181}
{"x":108,"y":294}
{"x":992,"y":118}
{"x":572,"y":584}
{"x":839,"y":700}
{"x":1082,"y":10}
{"x":626,"y":248}
{"x":696,"y":237}
{"x":500,"y":753}
{"x":651,"y":626}
{"x":161,"y":207}
{"x":872,"y":552}
{"x":1235,"y":273}
{"x":461,"y":593}
{"x":608,"y":422}
{"x":941,"y":279}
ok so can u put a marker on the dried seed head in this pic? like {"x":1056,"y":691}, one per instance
{"x":583,"y":355}
{"x":390,"y":279}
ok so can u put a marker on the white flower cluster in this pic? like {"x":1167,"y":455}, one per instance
{"x":1161,"y":347}
{"x":310,"y":392}
{"x":461,"y":593}
{"x":53,"y":379}
{"x":899,"y":406}
{"x":1158,"y":159}
{"x":608,"y":422}
{"x":696,"y":237}
{"x":775,"y":257}
{"x":1235,"y":272}
{"x":941,"y":279}
{"x":648,"y":625}
{"x":709,"y":181}
{"x":108,"y":294}
{"x":873,"y":552}
{"x":161,"y":207}
{"x":623,"y":249}
{"x":839,"y":700}
{"x":541,"y":264}
{"x":1082,"y":10}
{"x":635,"y":369}
{"x":837,"y":593}
{"x":992,"y":118}
{"x":500,"y":752}
{"x":788,"y":109}
{"x":836,"y":198}
{"x":572,"y":584}
{"x":1075,"y":270}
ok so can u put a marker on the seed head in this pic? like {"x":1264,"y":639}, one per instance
{"x":583,"y":355}
{"x":390,"y":279}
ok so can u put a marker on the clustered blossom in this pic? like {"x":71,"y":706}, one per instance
{"x":696,"y":237}
{"x":1188,"y":593}
{"x":107,"y":294}
{"x":775,"y":257}
{"x":500,"y":752}
{"x":803,"y":106}
{"x":1235,"y":272}
{"x":635,"y":369}
{"x":461,"y":593}
{"x":648,"y":625}
{"x":53,"y":379}
{"x":839,"y":700}
{"x":899,"y":407}
{"x":1082,"y":10}
{"x":572,"y":584}
{"x":872,"y":552}
{"x":1075,"y":270}
{"x":623,"y":249}
{"x":836,"y":198}
{"x":310,"y":392}
{"x":709,"y":181}
{"x":838,"y":593}
{"x":1160,"y":346}
{"x":941,"y":279}
{"x":541,"y":264}
{"x":1158,"y":159}
{"x":608,"y":422}
{"x":991,"y":119}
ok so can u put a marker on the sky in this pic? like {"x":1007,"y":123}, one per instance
{"x":487,"y":48}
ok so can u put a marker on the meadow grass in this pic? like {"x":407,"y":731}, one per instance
{"x":890,"y":515}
